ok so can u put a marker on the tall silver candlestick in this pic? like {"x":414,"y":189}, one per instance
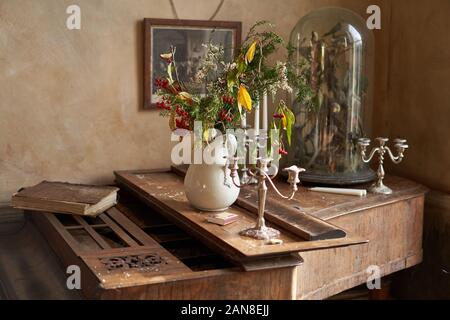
{"x":399,"y":144}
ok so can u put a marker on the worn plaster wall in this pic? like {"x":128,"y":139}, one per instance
{"x":417,"y":106}
{"x":70,"y":100}
{"x":417,"y":93}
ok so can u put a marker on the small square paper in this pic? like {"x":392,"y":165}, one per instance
{"x":222,"y":218}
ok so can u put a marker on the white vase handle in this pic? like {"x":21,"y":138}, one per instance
{"x":231,"y":144}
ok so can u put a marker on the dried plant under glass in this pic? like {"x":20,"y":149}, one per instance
{"x":329,"y":73}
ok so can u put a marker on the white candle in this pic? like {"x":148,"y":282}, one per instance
{"x":257,"y":119}
{"x":243,"y":119}
{"x":264,"y":112}
{"x":349,"y":192}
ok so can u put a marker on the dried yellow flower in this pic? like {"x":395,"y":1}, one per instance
{"x":166,"y":56}
{"x":185,"y":96}
{"x":250,"y":53}
{"x":244,"y":99}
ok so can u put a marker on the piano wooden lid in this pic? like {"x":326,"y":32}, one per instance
{"x":163,"y":191}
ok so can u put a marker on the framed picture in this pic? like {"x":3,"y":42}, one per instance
{"x":188,"y":36}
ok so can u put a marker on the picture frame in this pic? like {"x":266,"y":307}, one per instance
{"x":187,"y":36}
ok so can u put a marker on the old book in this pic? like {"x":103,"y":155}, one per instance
{"x":65,"y":197}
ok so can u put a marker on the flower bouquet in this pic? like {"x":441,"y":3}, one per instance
{"x":231,"y":91}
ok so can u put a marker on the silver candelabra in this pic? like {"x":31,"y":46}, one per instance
{"x":399,"y":144}
{"x":262,"y":175}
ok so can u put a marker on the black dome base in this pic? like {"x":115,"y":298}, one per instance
{"x":339,"y":179}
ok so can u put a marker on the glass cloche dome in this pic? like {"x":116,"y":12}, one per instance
{"x":331,"y":52}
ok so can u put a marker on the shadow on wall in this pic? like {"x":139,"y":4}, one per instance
{"x":431,"y":278}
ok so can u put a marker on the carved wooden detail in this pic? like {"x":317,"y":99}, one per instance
{"x":147,"y":261}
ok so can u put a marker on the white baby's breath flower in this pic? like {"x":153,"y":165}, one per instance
{"x":283,"y":82}
{"x":286,"y":87}
{"x":200,"y":76}
{"x":230,"y":66}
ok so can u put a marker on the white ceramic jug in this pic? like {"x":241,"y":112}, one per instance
{"x":208,"y":186}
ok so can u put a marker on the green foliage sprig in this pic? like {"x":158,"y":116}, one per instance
{"x":231,"y":88}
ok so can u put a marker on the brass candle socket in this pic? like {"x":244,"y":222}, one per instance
{"x":400,"y":146}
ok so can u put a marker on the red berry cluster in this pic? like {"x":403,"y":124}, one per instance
{"x":282,"y":151}
{"x":183,"y":122}
{"x":278,"y":116}
{"x":164,"y":104}
{"x":225,"y":116}
{"x":161,"y":83}
{"x":181,"y":112}
{"x":229,"y":100}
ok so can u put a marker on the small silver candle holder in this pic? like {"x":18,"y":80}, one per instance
{"x":261,"y":173}
{"x":247,"y":179}
{"x":400,"y":146}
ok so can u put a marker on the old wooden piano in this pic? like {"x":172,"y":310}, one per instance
{"x":153,"y":245}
